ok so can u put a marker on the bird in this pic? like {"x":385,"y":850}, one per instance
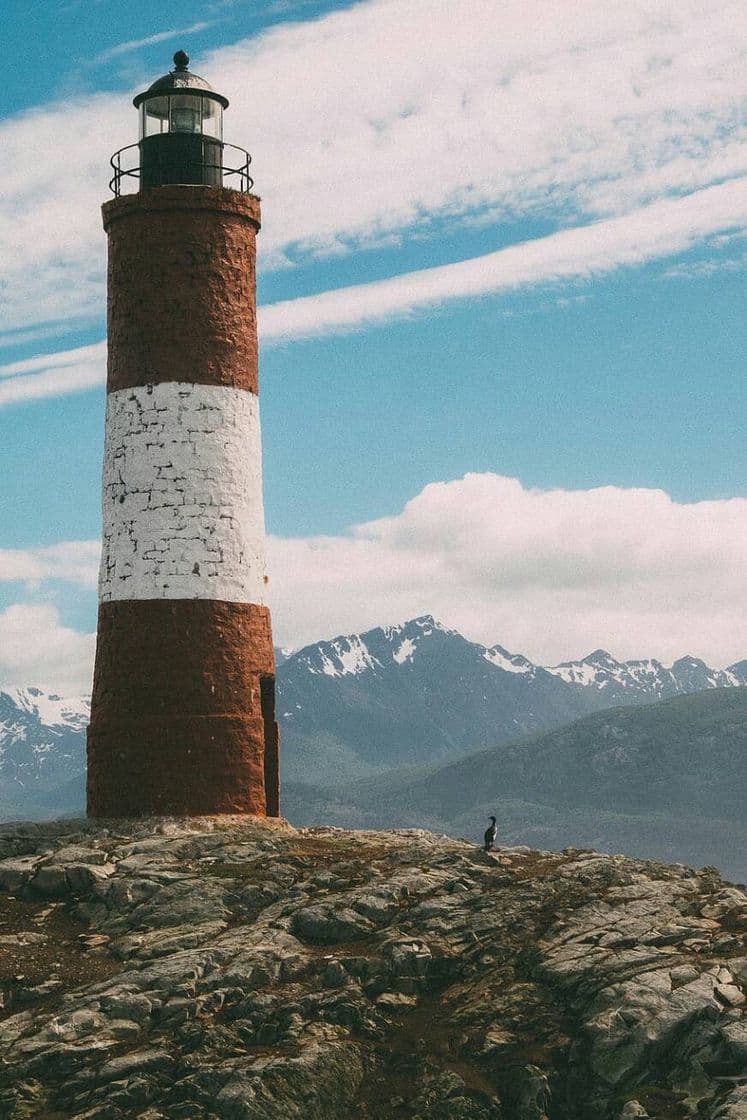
{"x":490,"y":834}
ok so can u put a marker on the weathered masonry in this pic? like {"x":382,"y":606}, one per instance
{"x":183,"y":708}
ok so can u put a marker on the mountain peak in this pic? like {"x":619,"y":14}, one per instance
{"x":598,"y":668}
{"x":353,"y":654}
{"x":600,"y":657}
{"x":424,"y":622}
{"x":341,"y":657}
{"x":738,"y":672}
{"x":406,"y":637}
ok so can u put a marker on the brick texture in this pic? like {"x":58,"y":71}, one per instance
{"x":194,"y":765}
{"x":182,"y":303}
{"x":178,"y":722}
{"x":182,"y":714}
{"x":182,"y":495}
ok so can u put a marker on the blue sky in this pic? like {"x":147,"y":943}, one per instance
{"x":501,"y":242}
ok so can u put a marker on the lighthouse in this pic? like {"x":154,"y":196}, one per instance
{"x":183,"y":705}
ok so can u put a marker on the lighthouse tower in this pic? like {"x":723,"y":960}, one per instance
{"x":182,"y":714}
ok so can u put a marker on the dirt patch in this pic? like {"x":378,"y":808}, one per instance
{"x":43,"y":954}
{"x":422,"y":1041}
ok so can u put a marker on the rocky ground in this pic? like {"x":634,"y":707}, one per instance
{"x":234,"y":969}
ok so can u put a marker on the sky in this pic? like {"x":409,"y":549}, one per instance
{"x":502,"y":313}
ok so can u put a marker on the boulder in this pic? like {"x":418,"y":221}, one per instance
{"x":327,"y":925}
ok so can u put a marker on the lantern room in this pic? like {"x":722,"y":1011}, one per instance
{"x":181,"y":129}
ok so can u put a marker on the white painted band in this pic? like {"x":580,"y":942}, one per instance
{"x":182,"y":495}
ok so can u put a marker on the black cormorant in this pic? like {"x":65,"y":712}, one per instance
{"x":490,"y":834}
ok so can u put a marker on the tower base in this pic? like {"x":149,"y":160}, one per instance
{"x":193,"y":766}
{"x":183,"y":710}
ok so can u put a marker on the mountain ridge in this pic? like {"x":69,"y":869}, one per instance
{"x":357,"y":657}
{"x":420,"y":692}
{"x":357,"y":705}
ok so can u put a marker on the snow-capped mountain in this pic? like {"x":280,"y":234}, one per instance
{"x":509,"y":662}
{"x":404,"y":695}
{"x":647,"y":678}
{"x":42,"y":749}
{"x":362,"y":703}
{"x":355,"y":654}
{"x":419,"y":692}
{"x":375,"y":650}
{"x":48,"y":708}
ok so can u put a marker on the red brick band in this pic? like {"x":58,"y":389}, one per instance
{"x":183,"y":710}
{"x":182,"y":287}
{"x":193,"y":766}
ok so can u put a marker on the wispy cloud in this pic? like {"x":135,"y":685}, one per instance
{"x":700,"y":270}
{"x":32,"y":334}
{"x":81,"y":354}
{"x":73,"y":562}
{"x":151,"y":40}
{"x":659,"y":230}
{"x":579,"y":109}
{"x":572,"y":107}
{"x":53,"y":375}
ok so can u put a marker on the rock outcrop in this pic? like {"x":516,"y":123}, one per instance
{"x":243,"y":970}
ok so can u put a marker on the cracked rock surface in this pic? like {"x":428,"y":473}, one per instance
{"x":244,"y":970}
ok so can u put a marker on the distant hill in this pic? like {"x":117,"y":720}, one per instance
{"x":666,"y":780}
{"x":419,"y":693}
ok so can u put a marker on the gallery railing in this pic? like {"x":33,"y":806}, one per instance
{"x":241,"y":181}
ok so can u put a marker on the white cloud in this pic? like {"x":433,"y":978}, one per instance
{"x":73,"y":562}
{"x":33,"y":334}
{"x":53,"y":375}
{"x":375,"y":120}
{"x":658,"y":230}
{"x":151,"y":40}
{"x":380,"y":117}
{"x":552,"y":574}
{"x":52,"y":182}
{"x":81,"y":355}
{"x":36,"y":649}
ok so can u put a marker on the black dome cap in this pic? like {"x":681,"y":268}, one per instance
{"x":180,"y":80}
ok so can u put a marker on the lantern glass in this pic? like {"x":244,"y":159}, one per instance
{"x":186,"y":113}
{"x":212,"y":118}
{"x":154,"y":116}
